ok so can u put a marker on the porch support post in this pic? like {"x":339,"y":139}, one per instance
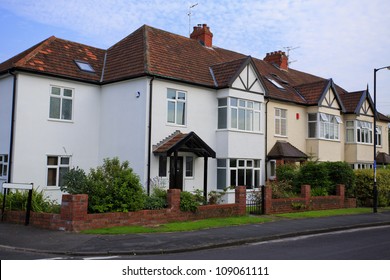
{"x":175,"y":171}
{"x":206,"y":159}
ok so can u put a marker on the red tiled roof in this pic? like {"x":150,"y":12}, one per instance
{"x":283,"y":149}
{"x":151,"y":51}
{"x":351,"y":100}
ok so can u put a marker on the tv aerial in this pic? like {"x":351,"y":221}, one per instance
{"x":288,"y":49}
{"x":189,"y":17}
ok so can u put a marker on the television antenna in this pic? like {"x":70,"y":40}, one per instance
{"x":189,"y":17}
{"x":288,"y":49}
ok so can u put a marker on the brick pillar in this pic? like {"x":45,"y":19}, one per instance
{"x":173,"y":198}
{"x":240,"y":196}
{"x":340,"y":191}
{"x":74,"y":207}
{"x":306,"y":194}
{"x":267,"y":200}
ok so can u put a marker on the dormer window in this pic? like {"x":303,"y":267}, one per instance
{"x":84,"y":66}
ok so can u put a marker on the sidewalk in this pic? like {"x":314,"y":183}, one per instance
{"x":28,"y":238}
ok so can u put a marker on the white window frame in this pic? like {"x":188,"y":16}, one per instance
{"x":189,"y":169}
{"x":177,"y":101}
{"x":327,"y":127}
{"x":379,"y":136}
{"x":4,"y":166}
{"x":240,"y":114}
{"x":280,"y":122}
{"x":233,"y":166}
{"x":63,"y":97}
{"x":57,"y":167}
{"x":364,"y":132}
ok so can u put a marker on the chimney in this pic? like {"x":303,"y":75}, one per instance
{"x":203,"y":34}
{"x":278,"y":58}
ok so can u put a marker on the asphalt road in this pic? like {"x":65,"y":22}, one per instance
{"x":359,"y":244}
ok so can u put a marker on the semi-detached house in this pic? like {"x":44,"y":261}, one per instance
{"x":179,"y":109}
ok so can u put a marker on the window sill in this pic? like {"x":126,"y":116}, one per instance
{"x":60,"y":121}
{"x":280,"y":136}
{"x":239,"y":131}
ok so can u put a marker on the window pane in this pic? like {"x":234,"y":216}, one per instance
{"x":222,"y":102}
{"x":52,"y":160}
{"x":312,"y":117}
{"x":283,"y":113}
{"x":241,"y":177}
{"x":221,"y":178}
{"x":233,"y":102}
{"x":233,"y":118}
{"x":63,"y":171}
{"x":181,"y":106}
{"x":52,"y":177}
{"x":162,"y":166}
{"x":171,"y":94}
{"x":257,"y":162}
{"x":181,"y":95}
{"x":221,"y":162}
{"x":54,"y":107}
{"x":257,"y":179}
{"x":55,"y":91}
{"x":241,"y":163}
{"x":312,"y":130}
{"x":171,"y":111}
{"x":257,"y":106}
{"x":256,"y":122}
{"x":277,"y":126}
{"x":65,"y":160}
{"x":66,"y":109}
{"x":249,"y":120}
{"x":189,"y":166}
{"x":241,"y":119}
{"x":233,"y":177}
{"x":233,"y":163}
{"x":242,"y":103}
{"x":5,"y":168}
{"x":68,"y":92}
{"x":222,"y":117}
{"x":283,"y":127}
{"x":249,"y":179}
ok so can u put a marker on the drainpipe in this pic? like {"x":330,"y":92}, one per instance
{"x":11,"y":144}
{"x":150,"y":133}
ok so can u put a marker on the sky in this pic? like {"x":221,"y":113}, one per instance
{"x":343,"y":40}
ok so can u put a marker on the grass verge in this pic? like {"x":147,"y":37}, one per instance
{"x":182,"y":226}
{"x":225,"y":222}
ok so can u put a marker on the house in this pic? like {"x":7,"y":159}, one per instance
{"x":178,"y":109}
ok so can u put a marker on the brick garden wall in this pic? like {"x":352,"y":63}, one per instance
{"x":74,"y":215}
{"x":307,"y":202}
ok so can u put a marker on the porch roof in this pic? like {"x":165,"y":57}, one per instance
{"x":383,"y":158}
{"x":283,"y":149}
{"x":184,"y":142}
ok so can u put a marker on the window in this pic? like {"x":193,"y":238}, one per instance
{"x":379,"y":136}
{"x":239,"y":113}
{"x":280,"y":122}
{"x":84,"y":66}
{"x":275,"y":83}
{"x":61,"y":103}
{"x":176,"y":107}
{"x":327,"y":126}
{"x":57,"y":166}
{"x":243,"y":172}
{"x":162,"y":166}
{"x":350,"y":131}
{"x":272,"y":171}
{"x":3,"y":166}
{"x":364,"y":132}
{"x":189,"y":167}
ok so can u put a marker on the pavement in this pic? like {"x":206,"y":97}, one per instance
{"x":32,"y":239}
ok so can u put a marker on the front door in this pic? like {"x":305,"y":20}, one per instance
{"x":176,"y":183}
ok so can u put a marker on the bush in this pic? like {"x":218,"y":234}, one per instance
{"x":157,"y":200}
{"x":314,"y":174}
{"x":189,"y":202}
{"x":341,"y":173}
{"x":39,"y":202}
{"x":282,"y":189}
{"x":112,"y":187}
{"x":287,"y":173}
{"x":364,"y":187}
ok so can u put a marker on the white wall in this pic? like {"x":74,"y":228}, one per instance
{"x":124,"y":122}
{"x":36,"y":136}
{"x":6,"y":90}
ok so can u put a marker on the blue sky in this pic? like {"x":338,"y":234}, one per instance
{"x":344,"y":40}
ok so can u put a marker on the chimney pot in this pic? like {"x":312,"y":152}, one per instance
{"x":203,"y":34}
{"x":278,"y":58}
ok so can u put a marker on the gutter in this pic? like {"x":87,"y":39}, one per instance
{"x":11,"y":144}
{"x":150,"y":133}
{"x":266,"y":140}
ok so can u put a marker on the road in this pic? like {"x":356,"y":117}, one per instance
{"x":358,"y":244}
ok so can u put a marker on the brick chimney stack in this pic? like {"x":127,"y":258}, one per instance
{"x":203,"y":34}
{"x":278,"y":58}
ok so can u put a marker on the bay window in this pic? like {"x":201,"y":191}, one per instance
{"x":239,"y":114}
{"x":238,"y":172}
{"x":324,"y":126}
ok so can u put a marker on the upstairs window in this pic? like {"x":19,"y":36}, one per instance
{"x":176,"y":103}
{"x":61,"y":103}
{"x":379,"y":136}
{"x":280,"y":122}
{"x":324,"y":126}
{"x":84,"y":66}
{"x":239,"y":114}
{"x":364,"y":132}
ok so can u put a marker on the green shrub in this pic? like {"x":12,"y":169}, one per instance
{"x":282,"y":189}
{"x":112,"y":187}
{"x":341,"y":173}
{"x":364,"y":187}
{"x":314,"y":174}
{"x":17,"y":200}
{"x":157,"y":200}
{"x":287,"y":173}
{"x":189,"y":202}
{"x":319,"y":191}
